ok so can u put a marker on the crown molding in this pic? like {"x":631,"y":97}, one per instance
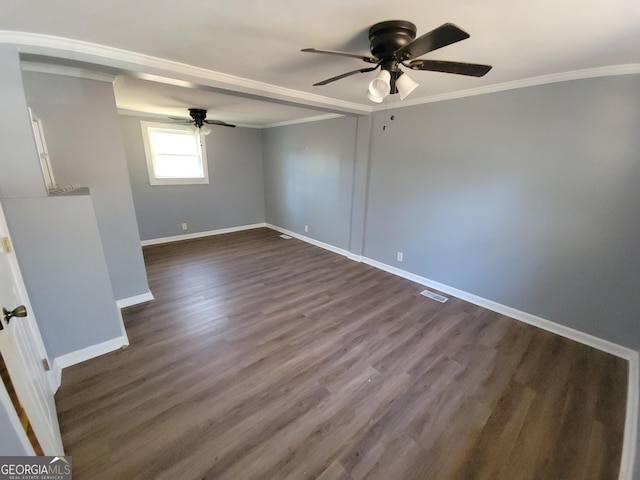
{"x":136,"y":113}
{"x":315,"y":118}
{"x":159,"y":69}
{"x":67,"y":71}
{"x":171,"y":72}
{"x":159,"y":116}
{"x":608,"y":71}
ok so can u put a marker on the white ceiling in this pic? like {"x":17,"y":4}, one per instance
{"x":253,"y":47}
{"x":161,"y":99}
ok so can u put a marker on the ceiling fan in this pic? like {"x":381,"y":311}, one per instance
{"x":200,"y":122}
{"x":394,"y":43}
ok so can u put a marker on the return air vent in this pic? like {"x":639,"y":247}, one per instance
{"x":286,"y":237}
{"x":434,"y":296}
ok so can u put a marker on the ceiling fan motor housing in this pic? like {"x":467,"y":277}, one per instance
{"x":198,"y":115}
{"x":387,"y":37}
{"x":393,"y":43}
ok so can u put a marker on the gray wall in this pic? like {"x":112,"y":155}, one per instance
{"x":309,"y":173}
{"x":61,"y":258}
{"x":527,"y":197}
{"x":83,"y":136}
{"x":233,"y":197}
{"x":51,"y":236}
{"x":21,"y":175}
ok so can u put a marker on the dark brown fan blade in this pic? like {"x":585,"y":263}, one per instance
{"x":470,"y":69}
{"x":220,"y":123}
{"x":342,"y":54}
{"x":437,"y":38}
{"x":181,"y":119}
{"x":348,"y":74}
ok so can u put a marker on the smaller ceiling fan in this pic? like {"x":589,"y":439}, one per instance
{"x":394,"y":43}
{"x":200,"y":122}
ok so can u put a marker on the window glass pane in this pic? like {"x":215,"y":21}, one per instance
{"x":173,"y":143}
{"x":177,"y":166}
{"x":175,"y":156}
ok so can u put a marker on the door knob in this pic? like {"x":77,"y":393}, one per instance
{"x":20,"y":311}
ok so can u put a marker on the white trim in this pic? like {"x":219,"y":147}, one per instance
{"x":564,"y":331}
{"x":165,"y":71}
{"x":172,"y":72}
{"x":609,"y":71}
{"x":96,"y":350}
{"x":85,"y":354}
{"x":123,"y":329}
{"x":312,"y":241}
{"x":633,"y":392}
{"x":67,"y":71}
{"x":633,"y":387}
{"x":315,"y":118}
{"x":354,"y":257}
{"x":154,"y":116}
{"x":189,"y":236}
{"x":135,"y":300}
{"x":43,"y":151}
{"x":629,"y":444}
{"x":174,"y":129}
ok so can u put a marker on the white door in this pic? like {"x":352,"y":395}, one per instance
{"x":23,"y":351}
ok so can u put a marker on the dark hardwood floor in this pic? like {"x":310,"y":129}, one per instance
{"x":264,"y":358}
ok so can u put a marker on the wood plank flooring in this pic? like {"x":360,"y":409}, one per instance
{"x":265,"y":358}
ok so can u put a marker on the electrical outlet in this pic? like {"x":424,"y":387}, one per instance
{"x":184,"y":226}
{"x":306,"y":228}
{"x":400,"y":256}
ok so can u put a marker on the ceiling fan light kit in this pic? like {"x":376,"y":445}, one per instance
{"x":405,"y":85}
{"x":203,"y":130}
{"x":380,"y":86}
{"x":394,"y":43}
{"x":373,"y":98}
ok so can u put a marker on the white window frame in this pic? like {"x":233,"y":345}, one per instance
{"x":43,"y":153}
{"x":148,"y":151}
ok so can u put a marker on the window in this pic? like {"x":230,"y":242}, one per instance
{"x":41,"y":145}
{"x":175,"y":156}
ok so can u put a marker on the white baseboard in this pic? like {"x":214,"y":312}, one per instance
{"x":630,"y":442}
{"x":85,"y":354}
{"x":633,"y":389}
{"x":312,"y":241}
{"x":123,"y":329}
{"x":189,"y":236}
{"x":525,"y":317}
{"x":135,"y":300}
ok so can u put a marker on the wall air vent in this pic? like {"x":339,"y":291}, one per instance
{"x":434,"y":296}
